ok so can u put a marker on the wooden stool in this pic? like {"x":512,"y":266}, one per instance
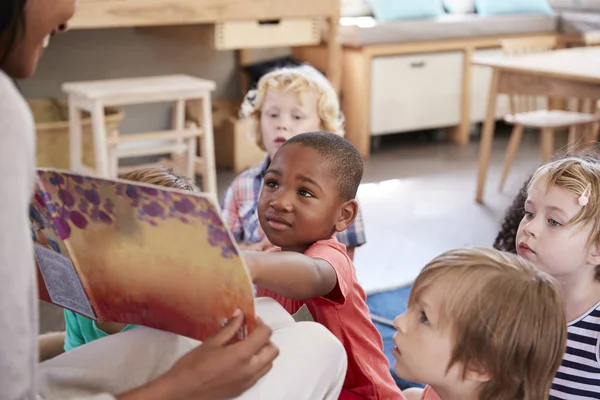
{"x":180,"y":142}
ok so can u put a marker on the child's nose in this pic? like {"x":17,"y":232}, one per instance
{"x":283,"y":123}
{"x":282,"y":203}
{"x":531,"y":227}
{"x":399,"y":322}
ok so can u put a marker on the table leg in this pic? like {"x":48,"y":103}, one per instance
{"x":547,"y":144}
{"x":461,"y":134}
{"x":334,"y":65}
{"x":487,"y":137}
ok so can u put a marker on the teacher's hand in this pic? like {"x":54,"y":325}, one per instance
{"x":216,"y":369}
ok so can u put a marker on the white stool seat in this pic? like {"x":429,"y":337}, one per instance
{"x":140,"y":90}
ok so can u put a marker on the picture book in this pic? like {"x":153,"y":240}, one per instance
{"x":128,"y":252}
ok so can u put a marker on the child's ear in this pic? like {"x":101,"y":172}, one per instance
{"x":594,"y":255}
{"x":347,"y":214}
{"x":478,"y":375}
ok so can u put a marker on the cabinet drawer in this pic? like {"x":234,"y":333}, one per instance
{"x":417,"y":91}
{"x":481,"y":79}
{"x":276,"y":33}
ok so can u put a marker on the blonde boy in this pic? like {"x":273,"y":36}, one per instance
{"x":287,"y":102}
{"x":481,"y":324}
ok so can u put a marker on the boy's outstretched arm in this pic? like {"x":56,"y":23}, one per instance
{"x":290,"y":274}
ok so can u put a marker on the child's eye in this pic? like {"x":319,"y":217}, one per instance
{"x":273,"y":115}
{"x":528,"y":215}
{"x":305,"y":193}
{"x":272,"y":184}
{"x":553,"y":222}
{"x":298,"y":117}
{"x":423,"y":318}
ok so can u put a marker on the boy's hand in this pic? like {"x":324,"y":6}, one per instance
{"x":215,"y":369}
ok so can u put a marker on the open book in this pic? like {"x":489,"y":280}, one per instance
{"x":128,"y":252}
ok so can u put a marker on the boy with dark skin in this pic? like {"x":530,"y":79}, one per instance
{"x":308,"y":195}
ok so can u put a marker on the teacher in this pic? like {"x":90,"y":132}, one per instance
{"x":280,"y":358}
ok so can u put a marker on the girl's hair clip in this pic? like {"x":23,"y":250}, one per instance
{"x":584,"y":198}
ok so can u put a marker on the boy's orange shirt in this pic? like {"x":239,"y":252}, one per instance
{"x":348,"y":318}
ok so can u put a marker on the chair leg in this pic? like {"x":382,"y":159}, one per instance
{"x":592,"y":133}
{"x":190,"y":159}
{"x":573,"y":139}
{"x":75,"y":136}
{"x":100,"y":141}
{"x":511,"y":151}
{"x":207,"y":148}
{"x":547,"y":144}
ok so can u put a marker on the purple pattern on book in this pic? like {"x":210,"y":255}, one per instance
{"x":81,"y":200}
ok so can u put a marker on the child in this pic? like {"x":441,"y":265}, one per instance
{"x":287,"y":101}
{"x":481,"y":324}
{"x":560,"y":234}
{"x":81,"y":330}
{"x":505,"y":240}
{"x":308,"y":195}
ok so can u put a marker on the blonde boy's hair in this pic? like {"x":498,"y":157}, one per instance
{"x":575,"y":174}
{"x":506,"y":317}
{"x":161,"y":177}
{"x":297,"y":79}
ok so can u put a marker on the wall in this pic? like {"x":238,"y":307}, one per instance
{"x":123,"y":53}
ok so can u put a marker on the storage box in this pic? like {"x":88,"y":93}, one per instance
{"x":233,"y":148}
{"x":234,"y":35}
{"x":277,"y":33}
{"x":52,"y":129}
{"x":410,"y":101}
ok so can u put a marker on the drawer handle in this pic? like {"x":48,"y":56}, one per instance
{"x":269,"y":22}
{"x":419,"y":64}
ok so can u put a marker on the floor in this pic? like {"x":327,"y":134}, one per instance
{"x":417,"y":198}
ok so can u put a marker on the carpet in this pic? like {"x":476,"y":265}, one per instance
{"x":384,"y":307}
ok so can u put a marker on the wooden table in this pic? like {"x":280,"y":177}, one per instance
{"x":566,"y":73}
{"x":95,"y":14}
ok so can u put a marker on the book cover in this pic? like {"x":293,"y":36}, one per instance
{"x":128,"y":252}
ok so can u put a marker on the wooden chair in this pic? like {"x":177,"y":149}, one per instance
{"x":180,"y":143}
{"x":590,"y":135}
{"x":532,"y":112}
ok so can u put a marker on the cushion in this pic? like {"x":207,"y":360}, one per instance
{"x":364,"y":31}
{"x":491,"y":7}
{"x":389,"y":10}
{"x":575,"y":4}
{"x":459,"y":6}
{"x":578,"y":22}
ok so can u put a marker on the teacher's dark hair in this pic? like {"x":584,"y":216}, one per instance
{"x":12,"y":19}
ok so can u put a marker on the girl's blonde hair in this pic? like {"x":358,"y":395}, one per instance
{"x":298,"y":79}
{"x":161,"y":177}
{"x":506,"y":318}
{"x":575,"y":174}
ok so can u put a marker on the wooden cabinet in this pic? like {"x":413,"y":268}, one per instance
{"x":278,"y":33}
{"x":237,"y":24}
{"x":398,"y":87}
{"x":415,"y":91}
{"x":128,"y":13}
